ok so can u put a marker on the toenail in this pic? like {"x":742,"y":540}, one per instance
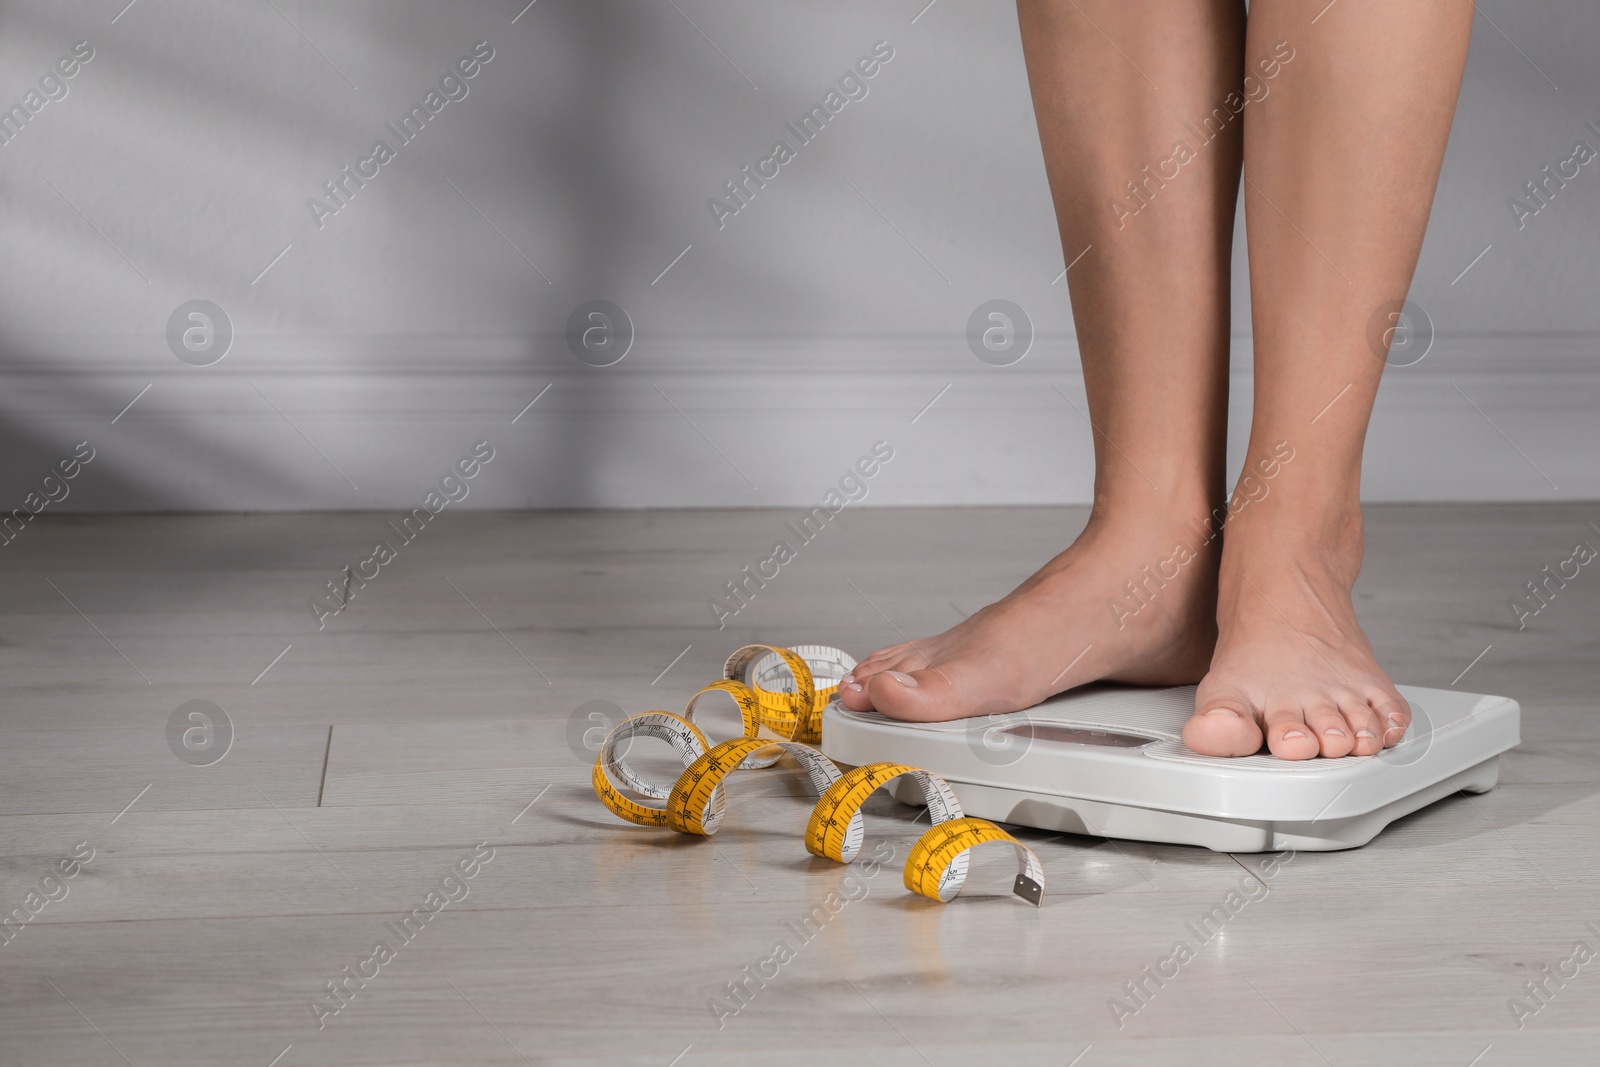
{"x":1294,"y":733}
{"x":1334,"y":731}
{"x":1367,"y":734}
{"x":1223,"y":711}
{"x":847,"y":679}
{"x":903,"y":679}
{"x":854,"y":687}
{"x":1397,"y":722}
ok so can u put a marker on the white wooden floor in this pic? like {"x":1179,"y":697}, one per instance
{"x":372,"y":756}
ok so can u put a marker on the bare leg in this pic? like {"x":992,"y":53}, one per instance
{"x":1340,"y":167}
{"x":1150,"y":302}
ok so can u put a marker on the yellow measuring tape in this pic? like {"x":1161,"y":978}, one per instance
{"x":785,"y":685}
{"x":778,"y":688}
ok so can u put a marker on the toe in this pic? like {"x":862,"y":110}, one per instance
{"x":1364,"y":725}
{"x":1222,"y":725}
{"x":1330,"y":729}
{"x":883,"y":659}
{"x":918,"y":696}
{"x":1289,"y":736}
{"x":1394,"y":714}
{"x":853,"y":693}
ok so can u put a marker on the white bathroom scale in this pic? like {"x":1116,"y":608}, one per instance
{"x":1109,"y":761}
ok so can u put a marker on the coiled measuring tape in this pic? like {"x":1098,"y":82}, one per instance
{"x":790,"y":701}
{"x":778,"y":688}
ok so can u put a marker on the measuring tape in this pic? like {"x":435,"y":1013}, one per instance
{"x":785,"y":690}
{"x":791,"y":699}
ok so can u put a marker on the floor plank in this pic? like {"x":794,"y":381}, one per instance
{"x":435,"y":712}
{"x":105,"y":770}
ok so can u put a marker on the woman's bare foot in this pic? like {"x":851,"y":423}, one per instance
{"x":1291,"y":662}
{"x":1351,"y":154}
{"x":1124,"y":603}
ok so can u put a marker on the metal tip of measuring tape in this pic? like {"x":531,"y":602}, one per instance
{"x":1029,"y":890}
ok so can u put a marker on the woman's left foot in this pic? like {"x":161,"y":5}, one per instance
{"x":1292,"y":664}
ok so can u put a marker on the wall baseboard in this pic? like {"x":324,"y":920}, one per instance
{"x":294,"y":423}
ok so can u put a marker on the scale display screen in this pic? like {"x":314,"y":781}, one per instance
{"x":1076,"y":735}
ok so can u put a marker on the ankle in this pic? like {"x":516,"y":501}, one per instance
{"x":1302,"y":500}
{"x":1302,"y":520}
{"x":1293,"y":541}
{"x":1143,"y":509}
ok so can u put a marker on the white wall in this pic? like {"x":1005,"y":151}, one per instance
{"x":379,"y":347}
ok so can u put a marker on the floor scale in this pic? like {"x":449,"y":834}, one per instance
{"x":1109,"y":761}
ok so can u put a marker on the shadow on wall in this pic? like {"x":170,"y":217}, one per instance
{"x":135,"y":233}
{"x":601,"y":187}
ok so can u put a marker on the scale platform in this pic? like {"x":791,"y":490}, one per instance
{"x":1109,"y":761}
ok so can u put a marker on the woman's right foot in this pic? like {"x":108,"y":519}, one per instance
{"x":1132,"y":600}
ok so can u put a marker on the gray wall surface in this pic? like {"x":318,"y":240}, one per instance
{"x":374,"y":345}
